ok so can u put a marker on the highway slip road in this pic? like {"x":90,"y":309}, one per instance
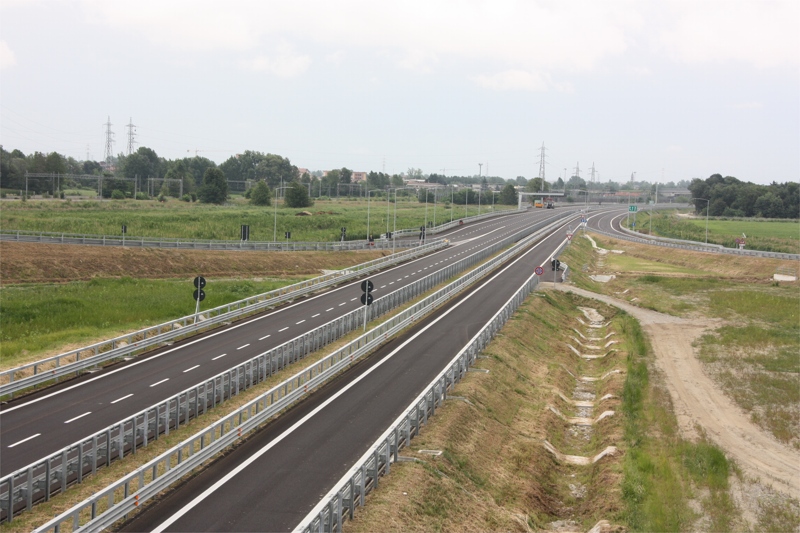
{"x":48,"y":421}
{"x":272,"y":481}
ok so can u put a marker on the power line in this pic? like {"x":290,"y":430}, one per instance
{"x":131,"y":135}
{"x":109,"y":150}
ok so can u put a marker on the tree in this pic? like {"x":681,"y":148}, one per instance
{"x":521,"y":181}
{"x":535,"y":185}
{"x":297,"y":196}
{"x":260,"y":195}
{"x":215,"y":187}
{"x":508,"y":196}
{"x":346,"y":175}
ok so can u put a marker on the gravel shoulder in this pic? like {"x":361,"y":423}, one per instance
{"x":699,"y":402}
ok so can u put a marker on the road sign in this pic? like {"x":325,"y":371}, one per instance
{"x":632,"y":208}
{"x":245,"y":232}
{"x":199,"y":295}
{"x":367,"y":286}
{"x":569,"y":236}
{"x":539,"y":271}
{"x":199,"y":282}
{"x":366,"y":298}
{"x":124,"y":228}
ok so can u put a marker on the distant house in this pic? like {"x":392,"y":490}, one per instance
{"x":358,"y":177}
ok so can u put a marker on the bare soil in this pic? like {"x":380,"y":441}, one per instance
{"x":700,"y":403}
{"x":49,"y":263}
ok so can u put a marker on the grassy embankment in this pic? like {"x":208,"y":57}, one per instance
{"x":495,"y":475}
{"x":183,"y":220}
{"x":767,"y":235}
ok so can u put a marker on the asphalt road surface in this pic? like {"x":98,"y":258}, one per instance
{"x":50,"y":420}
{"x":272,"y":480}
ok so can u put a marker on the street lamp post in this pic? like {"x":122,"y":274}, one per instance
{"x":275,"y":223}
{"x":708,"y":208}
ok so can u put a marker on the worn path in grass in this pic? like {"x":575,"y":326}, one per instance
{"x":698,"y":401}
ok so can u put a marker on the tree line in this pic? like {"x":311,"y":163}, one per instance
{"x":730,"y":197}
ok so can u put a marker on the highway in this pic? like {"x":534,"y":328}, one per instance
{"x":272,"y":480}
{"x":47,"y":421}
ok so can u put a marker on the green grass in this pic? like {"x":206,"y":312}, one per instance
{"x":631,"y":263}
{"x":39,"y":318}
{"x":660,"y":470}
{"x":767,"y":235}
{"x":183,"y":220}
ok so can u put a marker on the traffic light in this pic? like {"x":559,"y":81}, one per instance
{"x":553,"y":265}
{"x":366,"y":287}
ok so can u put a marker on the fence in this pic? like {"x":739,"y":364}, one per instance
{"x":694,"y":246}
{"x":80,"y":359}
{"x":37,"y":481}
{"x":362,"y":478}
{"x":115,"y":501}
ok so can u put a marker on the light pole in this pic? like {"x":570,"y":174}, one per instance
{"x":275,"y":223}
{"x":708,"y":202}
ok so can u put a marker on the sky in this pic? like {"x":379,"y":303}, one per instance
{"x":670,"y":90}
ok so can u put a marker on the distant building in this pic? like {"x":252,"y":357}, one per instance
{"x":301,"y":171}
{"x":359,"y":177}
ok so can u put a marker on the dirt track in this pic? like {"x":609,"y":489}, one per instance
{"x":699,"y":401}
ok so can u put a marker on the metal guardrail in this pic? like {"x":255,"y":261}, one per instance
{"x":198,"y":244}
{"x":362,"y":478}
{"x":634,"y":236}
{"x":123,"y":496}
{"x":80,"y":359}
{"x":50,"y":237}
{"x":37,"y":481}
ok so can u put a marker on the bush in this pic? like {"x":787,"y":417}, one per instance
{"x":186,"y":198}
{"x":162,"y":198}
{"x":194,"y":197}
{"x":142,"y":196}
{"x":117,"y":194}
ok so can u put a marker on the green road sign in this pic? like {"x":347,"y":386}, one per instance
{"x":632,"y":208}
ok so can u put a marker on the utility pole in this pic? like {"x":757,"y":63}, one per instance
{"x":109,"y":150}
{"x":592,"y":178}
{"x":132,"y":135}
{"x":577,"y":169}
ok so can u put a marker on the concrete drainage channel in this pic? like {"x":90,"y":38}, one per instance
{"x":586,"y":408}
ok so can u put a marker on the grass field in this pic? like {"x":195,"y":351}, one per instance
{"x":183,"y":220}
{"x":753,"y":354}
{"x":38,"y":319}
{"x":766,"y":235}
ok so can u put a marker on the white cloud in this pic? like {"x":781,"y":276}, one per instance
{"x":512,"y":80}
{"x":7,"y":58}
{"x":285,"y":63}
{"x":760,"y":33}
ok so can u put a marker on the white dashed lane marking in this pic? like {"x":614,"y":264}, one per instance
{"x":243,"y":346}
{"x":223,"y":355}
{"x":315,"y":316}
{"x":331,"y":309}
{"x":77,"y":417}
{"x":159,"y":382}
{"x":120,"y":399}
{"x":24,"y":440}
{"x":190,"y":369}
{"x":262,"y":338}
{"x":284,"y":329}
{"x":300,"y":322}
{"x":341,"y":304}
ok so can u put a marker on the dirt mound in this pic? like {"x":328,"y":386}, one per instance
{"x":31,"y":262}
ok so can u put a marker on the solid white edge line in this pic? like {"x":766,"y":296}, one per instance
{"x":124,"y":397}
{"x":188,"y":369}
{"x":24,"y":440}
{"x":250,"y":460}
{"x":159,"y":382}
{"x":77,"y":417}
